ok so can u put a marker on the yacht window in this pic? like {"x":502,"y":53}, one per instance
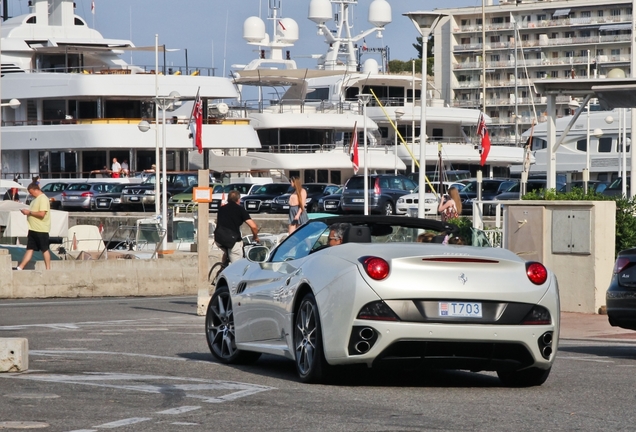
{"x":336,"y":177}
{"x":538,"y":143}
{"x":605,"y":145}
{"x":321,"y":93}
{"x":32,"y":20}
{"x":79,"y":22}
{"x":310,"y":176}
{"x":323,"y":176}
{"x":581,"y":144}
{"x":122,"y":109}
{"x":54,"y":110}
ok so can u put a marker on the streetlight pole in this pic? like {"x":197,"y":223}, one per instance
{"x":364,"y":99}
{"x":425,"y":23}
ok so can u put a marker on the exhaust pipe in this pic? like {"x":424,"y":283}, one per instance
{"x":362,"y":347}
{"x":547,"y":338}
{"x":366,"y":333}
{"x":547,"y":352}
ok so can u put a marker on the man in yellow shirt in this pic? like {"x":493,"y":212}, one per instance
{"x":39,"y":221}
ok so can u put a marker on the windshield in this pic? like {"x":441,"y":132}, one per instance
{"x":272,"y":188}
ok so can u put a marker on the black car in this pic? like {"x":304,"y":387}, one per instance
{"x":593,"y":186}
{"x":384,"y":191}
{"x":616,"y":187}
{"x":490,"y":188}
{"x":621,"y":294}
{"x":514,"y":192}
{"x":260,"y":200}
{"x":331,"y":203}
{"x":315,"y":191}
{"x":110,"y":200}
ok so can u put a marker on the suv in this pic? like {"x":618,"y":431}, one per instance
{"x":219,"y":198}
{"x":490,"y":188}
{"x":315,"y":191}
{"x":143,"y":194}
{"x":260,"y":200}
{"x":384,"y":191}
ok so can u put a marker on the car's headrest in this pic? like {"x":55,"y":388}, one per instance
{"x":357,"y":234}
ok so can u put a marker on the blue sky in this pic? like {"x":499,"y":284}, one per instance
{"x":211,"y":30}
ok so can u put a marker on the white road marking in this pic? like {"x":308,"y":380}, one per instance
{"x":84,"y":430}
{"x":184,"y":424}
{"x":588,"y":359}
{"x":179,"y":410}
{"x":195,"y":388}
{"x":124,"y":422}
{"x":112,"y":300}
{"x":56,"y":353}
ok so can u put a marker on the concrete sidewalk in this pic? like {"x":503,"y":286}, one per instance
{"x":593,"y":327}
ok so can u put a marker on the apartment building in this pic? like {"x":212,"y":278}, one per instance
{"x":552,"y":39}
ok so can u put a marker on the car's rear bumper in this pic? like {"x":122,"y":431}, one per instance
{"x":494,"y":347}
{"x":621,"y":308}
{"x":138,"y":199}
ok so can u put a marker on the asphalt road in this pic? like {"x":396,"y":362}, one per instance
{"x":142,"y":364}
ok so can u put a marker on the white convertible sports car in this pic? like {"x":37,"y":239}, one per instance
{"x":382,"y":297}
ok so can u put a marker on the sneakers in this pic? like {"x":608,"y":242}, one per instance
{"x":17,"y":268}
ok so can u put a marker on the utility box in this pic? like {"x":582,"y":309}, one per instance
{"x":574,"y":239}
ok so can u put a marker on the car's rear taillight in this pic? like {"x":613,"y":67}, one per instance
{"x":536,"y":272}
{"x":63,"y":194}
{"x":620,"y":264}
{"x":376,"y":268}
{"x":378,"y":311}
{"x":87,"y":194}
{"x":538,"y":315}
{"x":376,"y":187}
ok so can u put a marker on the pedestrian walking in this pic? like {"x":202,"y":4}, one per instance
{"x":227,"y":234}
{"x":39,"y":221}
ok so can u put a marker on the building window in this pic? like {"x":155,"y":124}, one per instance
{"x":465,"y":41}
{"x":586,"y":14}
{"x":525,"y":37}
{"x":569,"y":54}
{"x":465,"y":22}
{"x":599,"y":13}
{"x":554,"y":74}
{"x":494,"y":38}
{"x":527,"y":18}
{"x":584,"y":53}
{"x":478,"y":21}
{"x":616,"y":52}
{"x":569,"y":34}
{"x":497,"y":20}
{"x":555,"y":54}
{"x":599,"y":52}
{"x":494,"y":57}
{"x":554,"y":36}
{"x":605,"y":145}
{"x":615,"y":12}
{"x":583,"y":72}
{"x":541,"y":17}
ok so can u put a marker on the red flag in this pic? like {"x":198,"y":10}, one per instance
{"x":354,"y":149}
{"x":198,"y":123}
{"x":93,"y":7}
{"x":482,"y":131}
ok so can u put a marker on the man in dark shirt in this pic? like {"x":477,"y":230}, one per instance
{"x":230,"y":217}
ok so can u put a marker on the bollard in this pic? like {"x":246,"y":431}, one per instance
{"x":14,"y":354}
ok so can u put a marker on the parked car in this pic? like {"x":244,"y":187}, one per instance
{"x":143,"y":194}
{"x":433,"y":176}
{"x":182,"y":202}
{"x":220,"y":198}
{"x":384,"y":191}
{"x":315,"y":191}
{"x":409,"y":204}
{"x":489,"y":190}
{"x":261,"y":199}
{"x":110,"y":200}
{"x":381,"y":298}
{"x":616,"y":187}
{"x":53,"y":191}
{"x":593,"y":186}
{"x":514,"y":192}
{"x":331,"y":203}
{"x":82,"y":195}
{"x":620,"y":299}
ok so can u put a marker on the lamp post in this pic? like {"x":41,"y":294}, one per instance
{"x":364,"y":99}
{"x":399,"y":112}
{"x":13,"y":103}
{"x":425,"y":23}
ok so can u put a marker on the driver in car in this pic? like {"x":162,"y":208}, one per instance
{"x":336,"y":233}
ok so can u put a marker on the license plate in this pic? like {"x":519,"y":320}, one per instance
{"x":134,"y":198}
{"x":251,"y":206}
{"x":330,"y":206}
{"x":460,"y":309}
{"x":285,"y":207}
{"x":357,"y":200}
{"x":72,"y":197}
{"x":102,"y":204}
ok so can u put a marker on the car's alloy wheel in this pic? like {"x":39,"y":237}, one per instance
{"x":310,"y":360}
{"x":219,"y":330}
{"x":524,"y":378}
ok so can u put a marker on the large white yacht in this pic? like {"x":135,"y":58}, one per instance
{"x":306,"y":128}
{"x":81,"y":104}
{"x":605,"y":154}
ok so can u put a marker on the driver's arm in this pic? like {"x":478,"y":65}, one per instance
{"x":254,"y":229}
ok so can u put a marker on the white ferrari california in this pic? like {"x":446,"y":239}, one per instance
{"x":383,"y":297}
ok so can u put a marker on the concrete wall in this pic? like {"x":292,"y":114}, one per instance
{"x":171,"y":275}
{"x":531,"y":228}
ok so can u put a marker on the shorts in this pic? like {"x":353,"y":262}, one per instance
{"x":115,"y":175}
{"x":37,"y":241}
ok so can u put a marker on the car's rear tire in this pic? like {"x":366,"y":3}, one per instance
{"x":310,"y":359}
{"x":524,"y":378}
{"x":314,"y":208}
{"x":387,"y":209}
{"x":219,"y":330}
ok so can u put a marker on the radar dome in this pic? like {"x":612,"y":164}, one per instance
{"x":320,"y":11}
{"x":370,"y":66}
{"x":616,"y":73}
{"x":380,"y":13}
{"x":288,"y":30}
{"x":253,"y":29}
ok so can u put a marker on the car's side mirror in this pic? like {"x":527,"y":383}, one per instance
{"x":258,"y":254}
